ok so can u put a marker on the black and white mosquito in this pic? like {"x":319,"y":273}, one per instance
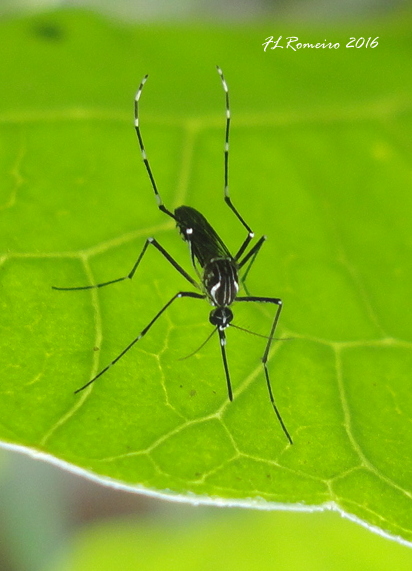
{"x":216,"y":268}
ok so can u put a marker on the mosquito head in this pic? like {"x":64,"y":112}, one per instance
{"x":221,"y":317}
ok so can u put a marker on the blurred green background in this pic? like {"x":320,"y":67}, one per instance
{"x":52,"y":520}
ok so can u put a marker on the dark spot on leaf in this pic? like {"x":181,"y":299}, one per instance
{"x":193,"y":393}
{"x":48,"y":31}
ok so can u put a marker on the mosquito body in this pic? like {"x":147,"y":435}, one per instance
{"x":217,"y":270}
{"x":220,"y":270}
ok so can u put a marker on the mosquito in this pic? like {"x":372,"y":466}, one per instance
{"x":217,"y":269}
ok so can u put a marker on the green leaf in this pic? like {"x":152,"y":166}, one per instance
{"x":239,"y":540}
{"x":320,"y":162}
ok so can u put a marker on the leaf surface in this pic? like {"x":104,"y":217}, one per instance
{"x":320,"y":163}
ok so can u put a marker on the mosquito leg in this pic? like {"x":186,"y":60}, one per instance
{"x":159,"y":200}
{"x":143,"y":333}
{"x":277,"y":302}
{"x":226,"y":187}
{"x":250,"y":256}
{"x":222,"y":337}
{"x":130,"y":275}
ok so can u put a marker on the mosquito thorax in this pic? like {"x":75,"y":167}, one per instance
{"x":221,"y":317}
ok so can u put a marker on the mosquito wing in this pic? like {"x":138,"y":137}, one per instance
{"x":204,"y":242}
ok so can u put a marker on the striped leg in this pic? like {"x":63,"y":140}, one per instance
{"x":142,"y":334}
{"x":159,"y":201}
{"x":228,"y":201}
{"x":278,"y":302}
